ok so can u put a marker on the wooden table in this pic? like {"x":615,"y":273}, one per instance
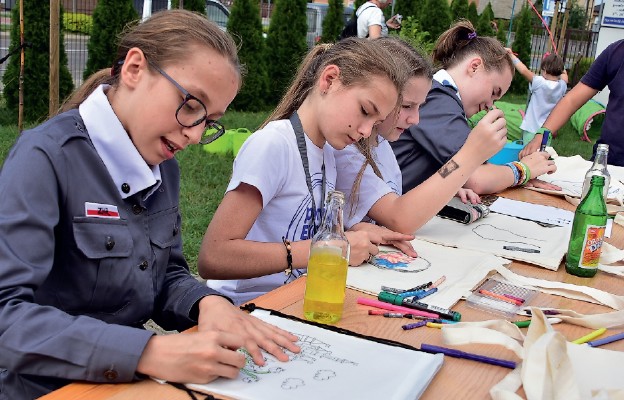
{"x":458,"y":379}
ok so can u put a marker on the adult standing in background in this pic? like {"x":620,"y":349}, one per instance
{"x":371,"y":22}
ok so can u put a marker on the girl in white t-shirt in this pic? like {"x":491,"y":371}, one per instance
{"x":370,"y":174}
{"x":259,"y":236}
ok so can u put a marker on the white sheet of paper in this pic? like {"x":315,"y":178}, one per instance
{"x":570,"y":175}
{"x":491,"y":234}
{"x":463,"y":269}
{"x":533,"y":212}
{"x":331,"y":366}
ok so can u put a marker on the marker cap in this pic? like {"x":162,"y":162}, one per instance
{"x":391,"y":298}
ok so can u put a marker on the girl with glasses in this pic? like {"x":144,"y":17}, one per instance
{"x":369,"y":174}
{"x":259,"y":237}
{"x":89,"y":218}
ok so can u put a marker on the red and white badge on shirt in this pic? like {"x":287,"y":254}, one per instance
{"x":98,"y":210}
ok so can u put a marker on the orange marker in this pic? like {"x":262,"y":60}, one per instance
{"x":499,"y":297}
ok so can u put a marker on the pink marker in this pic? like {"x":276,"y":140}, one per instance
{"x":387,"y":306}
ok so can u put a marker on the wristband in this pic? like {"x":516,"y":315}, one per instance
{"x":515,"y":171}
{"x":516,"y":61}
{"x":527,"y":173}
{"x":289,"y":269}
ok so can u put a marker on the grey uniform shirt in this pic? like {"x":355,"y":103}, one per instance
{"x":76,"y":287}
{"x":443,"y":129}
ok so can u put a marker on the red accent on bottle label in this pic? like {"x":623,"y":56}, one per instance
{"x":592,"y":247}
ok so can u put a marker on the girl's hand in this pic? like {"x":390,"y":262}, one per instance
{"x":488,"y":137}
{"x":379,"y":235}
{"x":532,"y":146}
{"x":536,"y":183}
{"x":218,"y":314}
{"x":468,"y":195}
{"x":539,"y":164}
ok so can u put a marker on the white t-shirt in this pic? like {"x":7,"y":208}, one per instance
{"x":545,"y":94}
{"x":369,"y":14}
{"x":372,"y":188}
{"x":270,"y":161}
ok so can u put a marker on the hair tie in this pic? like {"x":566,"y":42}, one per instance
{"x":546,"y":54}
{"x":472,"y":35}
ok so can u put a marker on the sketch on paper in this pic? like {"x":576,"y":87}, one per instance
{"x":312,"y":350}
{"x":493,"y":233}
{"x":396,"y":260}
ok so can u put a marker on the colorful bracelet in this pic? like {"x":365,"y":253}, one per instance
{"x":515,"y":171}
{"x":289,"y":260}
{"x":527,"y":173}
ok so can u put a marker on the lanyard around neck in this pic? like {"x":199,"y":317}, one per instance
{"x":303,"y":152}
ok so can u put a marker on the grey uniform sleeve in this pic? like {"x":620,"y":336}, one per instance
{"x":442,"y":131}
{"x":43,"y":340}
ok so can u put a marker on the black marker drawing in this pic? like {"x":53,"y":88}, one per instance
{"x":493,"y":233}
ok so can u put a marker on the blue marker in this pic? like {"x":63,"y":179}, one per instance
{"x":608,"y":339}
{"x":545,"y":137}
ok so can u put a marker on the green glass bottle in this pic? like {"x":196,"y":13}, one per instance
{"x":588,"y":228}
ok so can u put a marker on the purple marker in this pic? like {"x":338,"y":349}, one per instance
{"x":418,"y":324}
{"x":428,"y":348}
{"x":545,"y":137}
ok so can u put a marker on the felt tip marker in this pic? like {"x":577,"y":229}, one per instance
{"x":525,"y":324}
{"x":608,"y":339}
{"x":428,"y":348}
{"x":523,"y":249}
{"x":399,"y":301}
{"x":590,"y":336}
{"x":391,"y":307}
{"x":545,"y":137}
{"x":499,"y":297}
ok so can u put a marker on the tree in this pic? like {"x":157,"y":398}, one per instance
{"x":286,"y":44}
{"x":245,"y":26}
{"x":473,"y":14}
{"x":191,"y":5}
{"x":501,"y":34}
{"x":459,"y":9}
{"x":333,"y":22}
{"x":522,"y":46}
{"x":109,"y":18}
{"x":408,"y":7}
{"x":36,"y":67}
{"x":435,"y":17}
{"x":578,"y":17}
{"x":484,"y":26}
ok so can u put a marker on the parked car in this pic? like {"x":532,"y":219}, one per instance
{"x":217,"y":13}
{"x":215,"y":10}
{"x":316,"y":12}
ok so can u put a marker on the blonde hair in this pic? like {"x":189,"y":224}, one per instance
{"x":166,"y":37}
{"x":461,"y":41}
{"x":417,"y":66}
{"x":358,"y":59}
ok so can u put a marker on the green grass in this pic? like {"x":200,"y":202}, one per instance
{"x":205,"y":176}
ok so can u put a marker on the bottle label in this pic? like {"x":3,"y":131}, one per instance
{"x":592,"y":246}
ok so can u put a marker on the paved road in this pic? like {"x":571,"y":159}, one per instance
{"x":75,"y":48}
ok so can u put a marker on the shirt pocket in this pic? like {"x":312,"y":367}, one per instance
{"x":102,"y":238}
{"x":164,"y":228}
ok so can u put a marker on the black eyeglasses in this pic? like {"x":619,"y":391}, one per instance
{"x":192,"y":112}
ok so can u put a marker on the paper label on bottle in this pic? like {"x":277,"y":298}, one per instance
{"x":592,"y":246}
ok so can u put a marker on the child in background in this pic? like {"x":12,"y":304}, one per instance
{"x":284,"y":171}
{"x":91,"y":246}
{"x":546,"y":90}
{"x":476,"y":72}
{"x":606,"y":71}
{"x":370,"y":176}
